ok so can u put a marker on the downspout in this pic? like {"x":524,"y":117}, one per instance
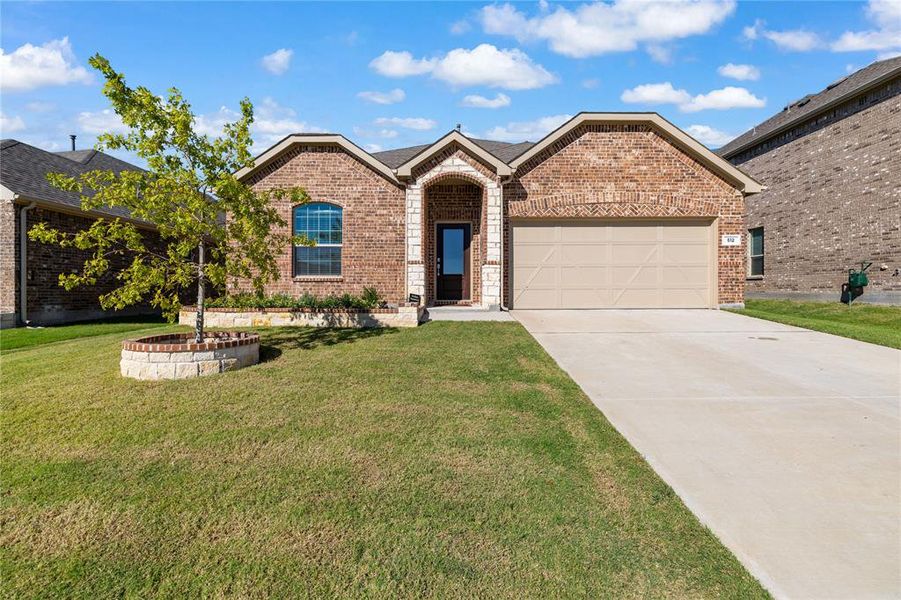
{"x":23,"y":262}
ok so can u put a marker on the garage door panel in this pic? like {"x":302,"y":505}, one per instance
{"x":582,"y":254}
{"x":537,"y":254}
{"x":633,"y":253}
{"x":527,"y":234}
{"x":680,"y":254}
{"x":608,"y":264}
{"x":693,"y":277}
{"x":584,"y":298}
{"x":537,"y":277}
{"x":635,"y":275}
{"x":582,"y":277}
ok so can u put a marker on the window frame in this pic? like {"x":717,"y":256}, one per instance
{"x":319,"y":245}
{"x":751,"y":256}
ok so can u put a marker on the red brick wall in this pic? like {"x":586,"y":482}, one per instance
{"x":373,"y":252}
{"x":834,"y":199}
{"x":50,"y":303}
{"x":455,"y":202}
{"x":631,"y":171}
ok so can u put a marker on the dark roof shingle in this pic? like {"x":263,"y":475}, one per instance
{"x":802,"y":109}
{"x":505,"y":151}
{"x":24,"y":169}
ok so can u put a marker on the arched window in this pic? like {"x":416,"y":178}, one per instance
{"x":322,"y":223}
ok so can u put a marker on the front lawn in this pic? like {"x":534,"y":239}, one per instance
{"x":451,"y":460}
{"x":23,"y":337}
{"x":865,"y":322}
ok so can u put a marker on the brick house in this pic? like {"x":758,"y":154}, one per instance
{"x":29,"y":271}
{"x":831,"y":163}
{"x":610,"y":210}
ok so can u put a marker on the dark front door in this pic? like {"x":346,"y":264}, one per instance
{"x":452,"y":265}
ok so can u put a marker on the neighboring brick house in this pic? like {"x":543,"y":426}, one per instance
{"x":831,"y":163}
{"x":610,"y":210}
{"x":26,"y":196}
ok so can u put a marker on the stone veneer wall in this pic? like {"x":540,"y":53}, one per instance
{"x":627,"y":171}
{"x":454,"y":163}
{"x":176,"y":356}
{"x":408,"y":315}
{"x":373,"y":250}
{"x":833,"y":200}
{"x":8,"y":284}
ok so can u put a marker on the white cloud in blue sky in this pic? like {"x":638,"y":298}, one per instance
{"x":279,"y":61}
{"x":508,"y":71}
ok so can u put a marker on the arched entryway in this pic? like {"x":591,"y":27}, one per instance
{"x":453,"y":230}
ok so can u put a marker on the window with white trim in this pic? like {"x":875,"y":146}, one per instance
{"x":323,"y":223}
{"x":755,"y":252}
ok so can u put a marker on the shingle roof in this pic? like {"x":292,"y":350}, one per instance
{"x":24,"y":169}
{"x":809,"y":105}
{"x":503,"y":150}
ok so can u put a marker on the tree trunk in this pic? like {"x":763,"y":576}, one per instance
{"x":201,"y":293}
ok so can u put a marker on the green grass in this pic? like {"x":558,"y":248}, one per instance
{"x":23,"y":337}
{"x":864,"y":322}
{"x":451,"y":460}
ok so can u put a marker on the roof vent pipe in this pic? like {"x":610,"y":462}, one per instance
{"x":72,"y":137}
{"x":458,"y":127}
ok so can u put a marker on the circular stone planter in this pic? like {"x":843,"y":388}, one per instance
{"x":177,"y":356}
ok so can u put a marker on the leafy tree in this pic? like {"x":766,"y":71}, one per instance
{"x":188,"y":189}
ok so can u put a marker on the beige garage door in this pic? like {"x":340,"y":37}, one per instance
{"x":608,"y":264}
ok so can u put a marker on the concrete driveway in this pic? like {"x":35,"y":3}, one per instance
{"x":785,"y":442}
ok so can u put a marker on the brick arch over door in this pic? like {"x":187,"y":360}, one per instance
{"x":455,"y":166}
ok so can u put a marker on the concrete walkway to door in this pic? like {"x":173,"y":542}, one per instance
{"x":785,"y":442}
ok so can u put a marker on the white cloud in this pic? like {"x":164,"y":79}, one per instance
{"x":460,"y":27}
{"x":476,"y":101}
{"x":381,"y":133}
{"x":739,"y":72}
{"x":40,"y":107}
{"x":484,"y":65}
{"x":664,"y":93}
{"x":10,"y":124}
{"x":29,"y":67}
{"x":527,"y":130}
{"x":599,"y":28}
{"x":590,"y":84}
{"x":102,"y":121}
{"x":792,"y":40}
{"x":886,"y":15}
{"x":417,"y":123}
{"x":400,"y":64}
{"x":724,"y":99}
{"x":887,"y":55}
{"x":391,"y":97}
{"x":271,"y":123}
{"x":796,"y":40}
{"x":373,"y":148}
{"x":655,"y":93}
{"x":278,"y":62}
{"x":710,"y":137}
{"x":660,"y":54}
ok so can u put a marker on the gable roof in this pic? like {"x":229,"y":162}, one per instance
{"x":505,"y":157}
{"x":813,"y":104}
{"x":319,"y":139}
{"x":24,"y":169}
{"x":453,"y":137}
{"x":676,"y":136}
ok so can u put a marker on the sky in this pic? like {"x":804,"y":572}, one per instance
{"x":388,"y":75}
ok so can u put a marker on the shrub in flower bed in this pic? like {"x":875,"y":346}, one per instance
{"x":369,"y":299}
